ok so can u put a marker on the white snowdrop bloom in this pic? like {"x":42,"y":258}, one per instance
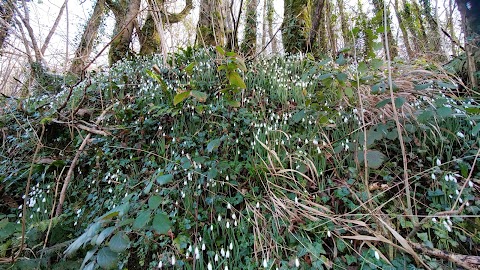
{"x":75,"y":223}
{"x":110,"y":190}
{"x":460,"y":134}
{"x":470,"y":184}
{"x":445,"y":224}
{"x":203,"y":246}
{"x":235,"y":223}
{"x":258,"y":205}
{"x":219,"y":218}
{"x":44,"y":199}
{"x":227,"y":254}
{"x":226,"y":267}
{"x":229,"y":206}
{"x":460,"y":200}
{"x":265,"y":264}
{"x":439,"y":162}
{"x":173,"y":260}
{"x":234,"y":216}
{"x":31,"y":216}
{"x":434,"y":220}
{"x":231,"y":246}
{"x":196,"y":251}
{"x":20,"y":206}
{"x":216,"y":257}
{"x":209,"y":266}
{"x":457,"y":192}
{"x":315,"y":141}
{"x":228,"y":224}
{"x":329,"y":234}
{"x":297,"y":262}
{"x":433,"y":176}
{"x":222,"y":252}
{"x":211,"y":227}
{"x":377,"y":256}
{"x":20,"y":215}
{"x":160,"y":264}
{"x":38,"y":209}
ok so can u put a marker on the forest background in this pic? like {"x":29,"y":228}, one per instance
{"x":241,"y":134}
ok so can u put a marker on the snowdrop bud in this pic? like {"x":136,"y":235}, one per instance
{"x":377,"y":256}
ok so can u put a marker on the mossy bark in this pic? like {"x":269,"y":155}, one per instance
{"x":211,"y":24}
{"x":296,"y":25}
{"x":249,"y":44}
{"x":379,"y":10}
{"x":88,"y":38}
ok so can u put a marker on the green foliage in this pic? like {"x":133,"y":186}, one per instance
{"x":273,"y":181}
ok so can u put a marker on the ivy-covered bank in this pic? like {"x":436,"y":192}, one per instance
{"x":211,"y":164}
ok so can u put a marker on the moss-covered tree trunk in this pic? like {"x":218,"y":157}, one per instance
{"x":6,"y":15}
{"x":403,"y":29}
{"x":317,"y":40}
{"x":150,"y":38}
{"x":249,"y":44}
{"x":379,"y":10}
{"x":270,"y":12}
{"x":87,"y":41}
{"x":434,"y":41}
{"x":296,"y":25}
{"x":470,"y":12}
{"x":211,"y":21}
{"x":347,"y":36}
{"x":330,"y":25}
{"x":125,"y":12}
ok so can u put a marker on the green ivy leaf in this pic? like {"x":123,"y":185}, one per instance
{"x":213,"y":145}
{"x":161,"y":223}
{"x":142,"y":220}
{"x":375,"y":158}
{"x":154,"y":202}
{"x":348,"y":92}
{"x":444,"y":112}
{"x":106,"y":258}
{"x":233,"y":103}
{"x":104,"y":234}
{"x":189,"y":68}
{"x":342,"y":77}
{"x":180,"y":97}
{"x":235,"y":79}
{"x":164,"y":179}
{"x":376,"y":63}
{"x":119,"y":242}
{"x":200,"y":96}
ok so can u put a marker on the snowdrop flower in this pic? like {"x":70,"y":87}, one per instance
{"x":160,"y":264}
{"x":433,"y":176}
{"x":329,"y":234}
{"x":231,"y":246}
{"x":439,"y":162}
{"x":227,"y":254}
{"x":203,"y":246}
{"x":445,"y":224}
{"x":265,"y":264}
{"x":228,"y":224}
{"x":209,"y":266}
{"x":460,"y":134}
{"x":222,"y":252}
{"x":297,"y":262}
{"x":470,"y":184}
{"x":173,"y":260}
{"x":377,"y":256}
{"x":216,"y":257}
{"x":434,"y":220}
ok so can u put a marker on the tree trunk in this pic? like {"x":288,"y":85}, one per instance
{"x":379,"y":10}
{"x":347,"y":38}
{"x":470,"y":12}
{"x":87,"y":40}
{"x":151,"y":40}
{"x":125,"y":15}
{"x":406,"y":41}
{"x":318,"y":29}
{"x":210,"y":27}
{"x":250,"y":35}
{"x":329,"y":25}
{"x":296,"y":25}
{"x":270,"y":12}
{"x":6,"y":18}
{"x":435,"y":41}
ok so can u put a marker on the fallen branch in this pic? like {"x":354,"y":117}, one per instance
{"x":84,"y":127}
{"x":465,"y":261}
{"x":74,"y":163}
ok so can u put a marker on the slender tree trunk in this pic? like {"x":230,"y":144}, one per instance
{"x":88,"y":38}
{"x":270,"y":12}
{"x":406,"y":41}
{"x":435,"y":41}
{"x":450,"y":25}
{"x":296,"y":25}
{"x":250,"y":34}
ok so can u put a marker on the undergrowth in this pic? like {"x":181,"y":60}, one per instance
{"x":240,"y":167}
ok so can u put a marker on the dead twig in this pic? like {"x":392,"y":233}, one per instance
{"x":466,"y":261}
